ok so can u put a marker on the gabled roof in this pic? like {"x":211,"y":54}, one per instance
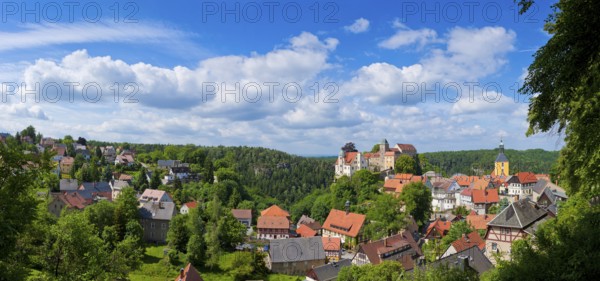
{"x":348,"y":157}
{"x":467,"y":192}
{"x":305,"y":231}
{"x":242,"y":213}
{"x":406,"y":147}
{"x":485,"y":196}
{"x":274,"y":211}
{"x":157,"y":210}
{"x":393,"y":248}
{"x":479,"y":221}
{"x":330,"y":271}
{"x":304,"y":219}
{"x":274,"y":222}
{"x":191,"y":205}
{"x":332,"y":243}
{"x":189,"y":273}
{"x":296,"y":249}
{"x":519,"y":214}
{"x":96,"y":186}
{"x":480,"y":184}
{"x":348,"y":224}
{"x":153,"y":195}
{"x":468,"y":241}
{"x":523,"y":178}
{"x":73,"y":200}
{"x":474,"y":258}
{"x":441,"y":227}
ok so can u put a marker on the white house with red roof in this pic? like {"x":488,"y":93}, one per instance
{"x":521,"y":183}
{"x":345,"y":225}
{"x":185,"y":209}
{"x":348,"y":163}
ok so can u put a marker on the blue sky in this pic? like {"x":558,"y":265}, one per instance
{"x":440,"y":75}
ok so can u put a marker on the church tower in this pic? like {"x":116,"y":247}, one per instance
{"x":501,"y":167}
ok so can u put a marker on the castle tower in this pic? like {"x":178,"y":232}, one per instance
{"x":501,"y":166}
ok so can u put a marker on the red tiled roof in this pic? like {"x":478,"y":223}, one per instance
{"x":369,"y":155}
{"x":274,"y":211}
{"x":479,"y":221}
{"x":467,"y":192}
{"x":349,"y":157}
{"x":526,"y":177}
{"x":73,"y":200}
{"x":468,"y":241}
{"x":305,"y":231}
{"x":273,"y":222}
{"x":242,"y":213}
{"x":406,"y":147}
{"x":403,"y":176}
{"x":189,"y":273}
{"x":390,"y":153}
{"x":486,"y":196}
{"x":480,"y":184}
{"x":441,"y":227}
{"x":332,"y":243}
{"x":125,"y":177}
{"x":374,"y":249}
{"x":346,"y":224}
{"x":191,"y":205}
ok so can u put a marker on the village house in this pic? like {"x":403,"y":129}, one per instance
{"x":541,"y":185}
{"x":66,"y":164}
{"x":274,"y":223}
{"x":400,"y":247}
{"x":47,"y":142}
{"x":109,"y":153}
{"x":71,"y":200}
{"x":155,"y":217}
{"x":465,"y":242}
{"x":444,"y":194}
{"x":125,"y":159}
{"x":117,"y":186}
{"x":437,"y":229}
{"x":484,"y":199}
{"x":244,"y":216}
{"x":189,"y":273}
{"x":155,"y":195}
{"x":181,"y":173}
{"x":332,"y":247}
{"x":396,"y":184}
{"x":345,"y":225}
{"x":471,"y":259}
{"x":327,"y":272}
{"x":348,"y":163}
{"x":304,"y":231}
{"x":479,"y":222}
{"x":295,"y":256}
{"x":515,"y":222}
{"x":186,"y":207}
{"x":521,"y":184}
{"x":102,"y":190}
{"x":310,"y":223}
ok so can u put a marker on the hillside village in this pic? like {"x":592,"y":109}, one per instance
{"x":468,"y":222}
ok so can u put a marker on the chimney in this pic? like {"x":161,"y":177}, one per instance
{"x":347,"y":207}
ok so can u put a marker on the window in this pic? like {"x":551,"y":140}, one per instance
{"x":163,"y":226}
{"x":505,"y":230}
{"x":152,"y":225}
{"x":494,"y":247}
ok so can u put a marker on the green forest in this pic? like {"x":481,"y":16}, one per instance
{"x":478,"y":162}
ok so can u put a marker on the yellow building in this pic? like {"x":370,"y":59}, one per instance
{"x":501,"y":167}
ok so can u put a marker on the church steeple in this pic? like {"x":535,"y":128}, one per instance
{"x":501,"y":167}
